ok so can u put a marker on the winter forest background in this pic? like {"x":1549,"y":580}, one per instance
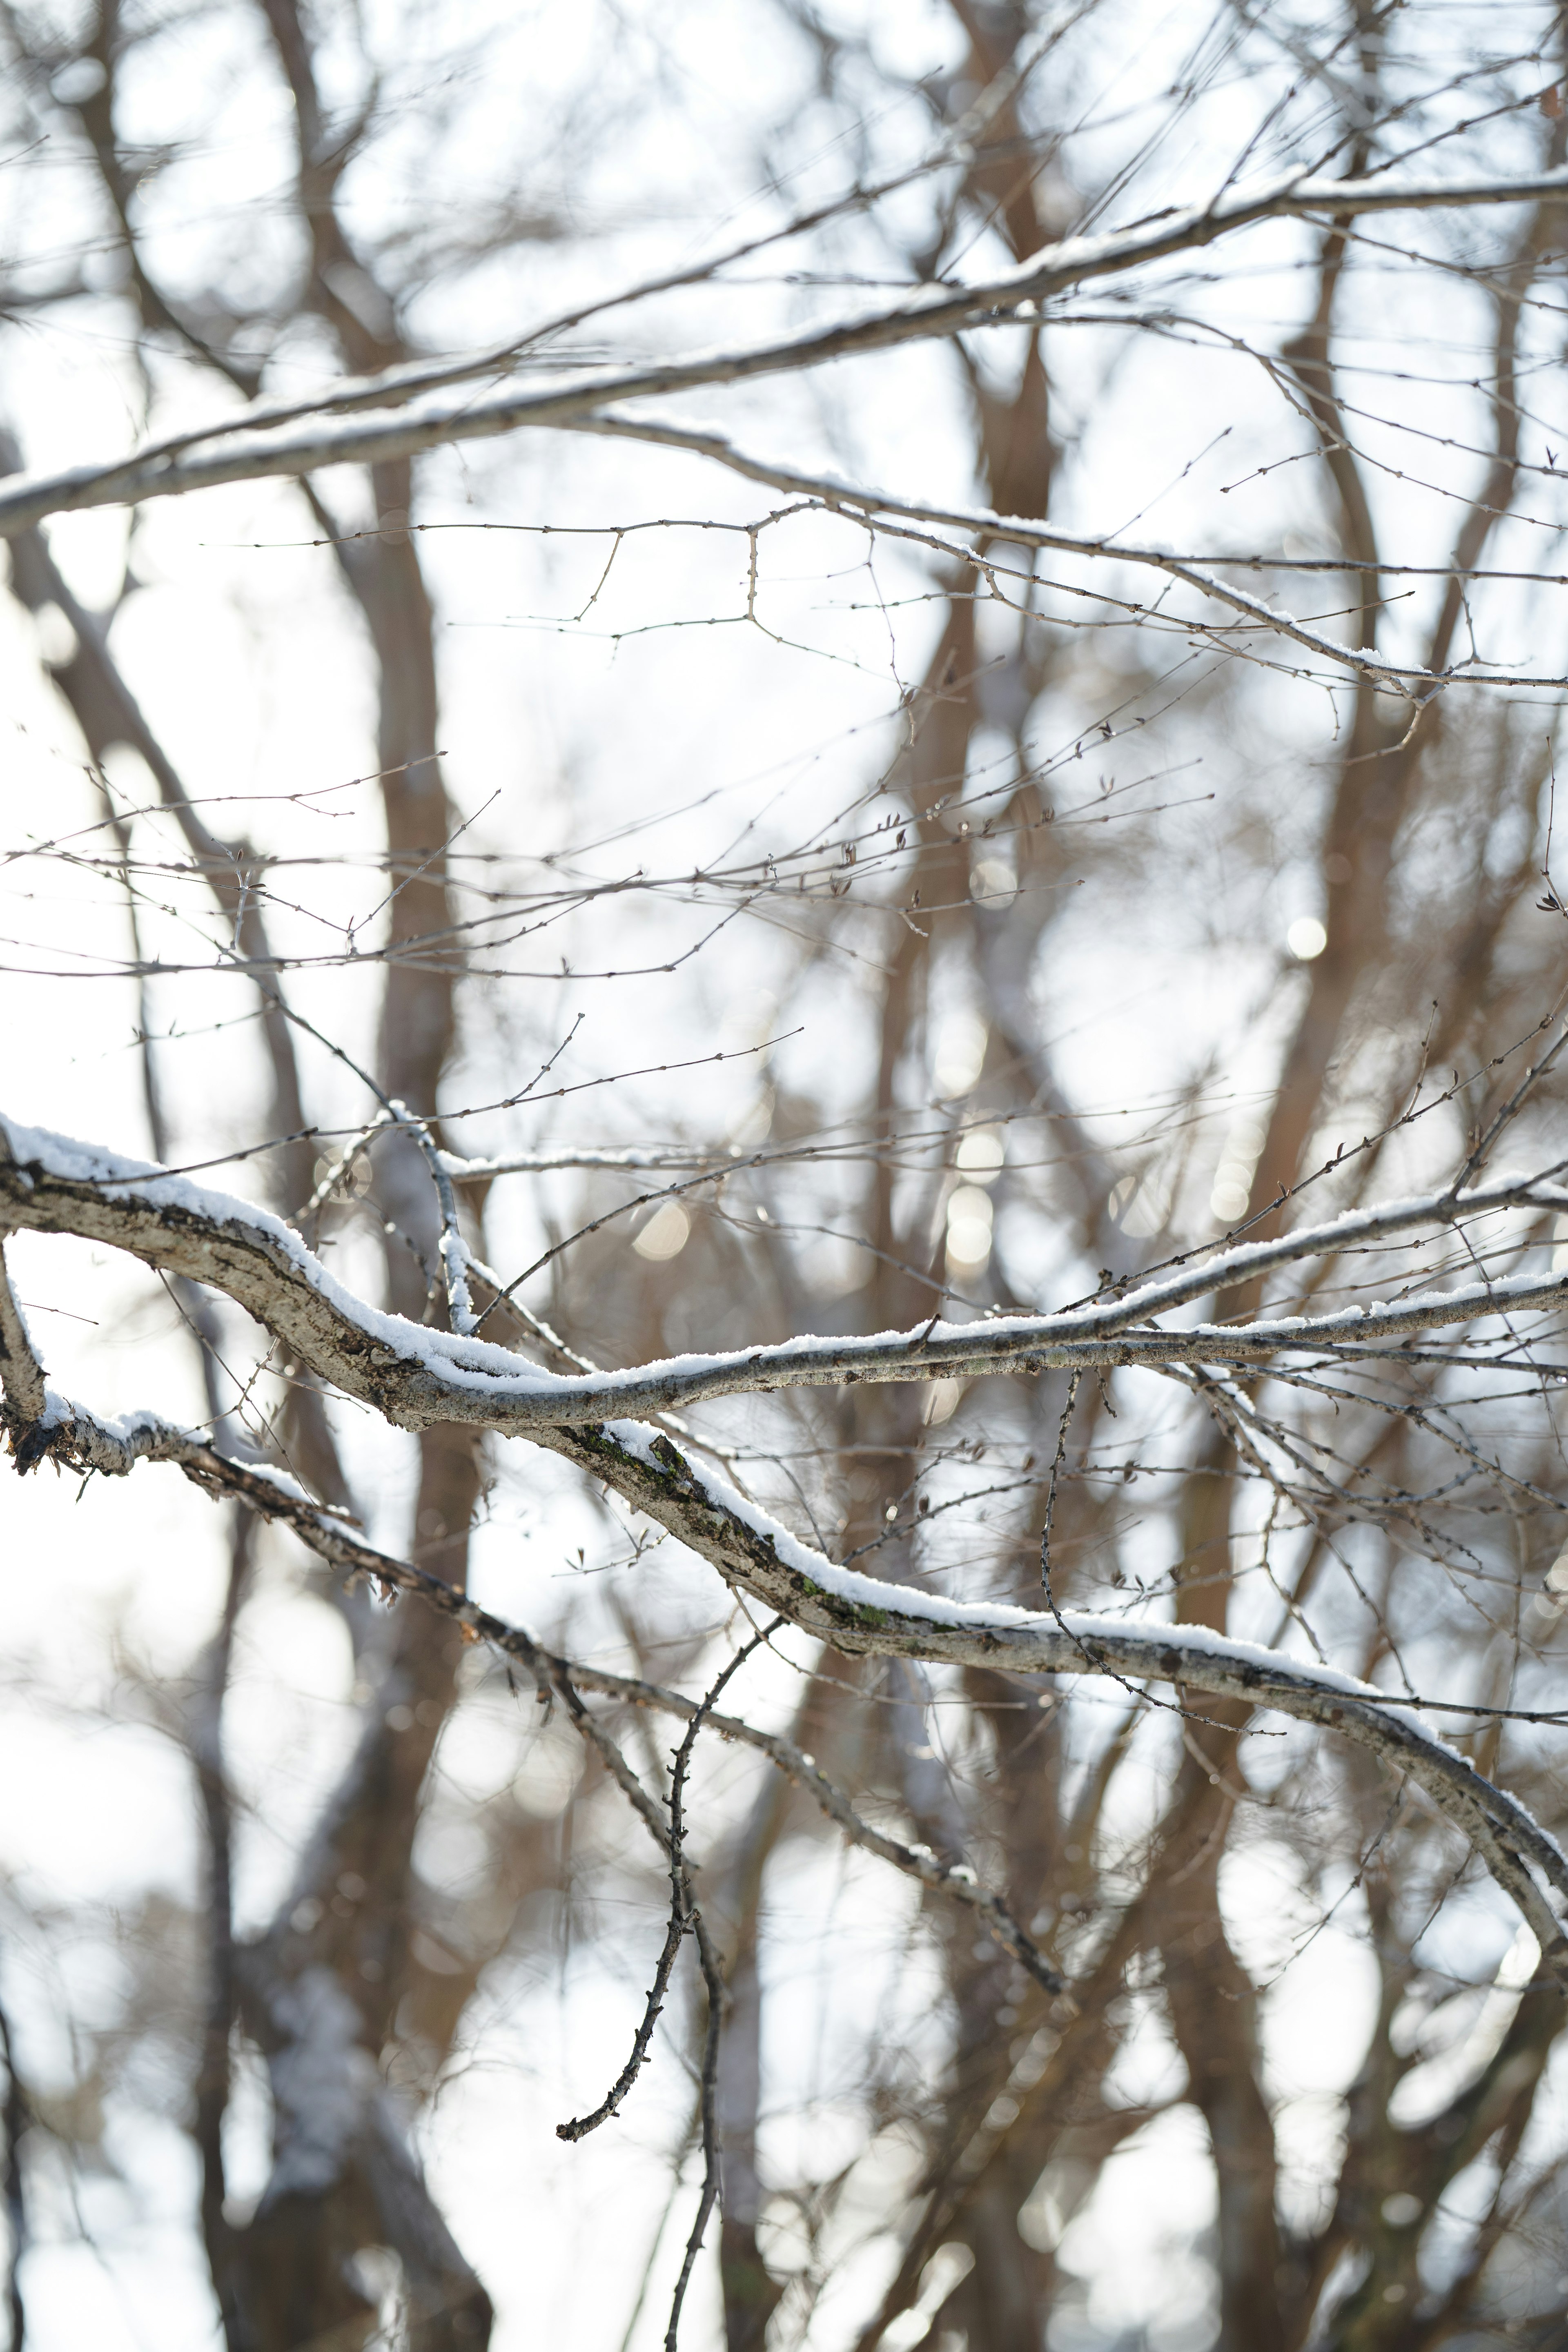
{"x":683,"y":853}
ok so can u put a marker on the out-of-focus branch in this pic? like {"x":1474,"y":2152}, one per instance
{"x":248,"y":452}
{"x":590,"y":1155}
{"x":213,"y":2074}
{"x":108,"y":712}
{"x":842,"y":497}
{"x":21,"y":1372}
{"x":13,"y":2183}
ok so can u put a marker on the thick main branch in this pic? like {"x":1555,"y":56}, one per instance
{"x":417,"y":1376}
{"x":262,"y":1264}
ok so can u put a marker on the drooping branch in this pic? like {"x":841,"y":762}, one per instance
{"x":79,"y":1441}
{"x":876,"y":506}
{"x":684,"y":1914}
{"x":862,"y":1616}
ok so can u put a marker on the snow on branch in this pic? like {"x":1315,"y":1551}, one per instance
{"x":853,"y":1612}
{"x":427,"y":408}
{"x":415,"y":1376}
{"x":636,"y":1158}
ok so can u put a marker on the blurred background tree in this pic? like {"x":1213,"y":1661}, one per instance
{"x":838,"y":915}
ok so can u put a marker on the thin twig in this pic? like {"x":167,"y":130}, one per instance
{"x":713,"y":1984}
{"x":1073,"y":1381}
{"x":682,"y":1911}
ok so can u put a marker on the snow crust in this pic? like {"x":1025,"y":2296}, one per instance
{"x":124,"y":1428}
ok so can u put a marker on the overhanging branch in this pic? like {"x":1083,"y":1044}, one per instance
{"x":853,"y":1612}
{"x":415,"y":1376}
{"x":425,"y":408}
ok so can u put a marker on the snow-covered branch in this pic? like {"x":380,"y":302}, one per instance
{"x":864,"y":1616}
{"x":413,"y":410}
{"x":417,"y":1376}
{"x":632,"y":1158}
